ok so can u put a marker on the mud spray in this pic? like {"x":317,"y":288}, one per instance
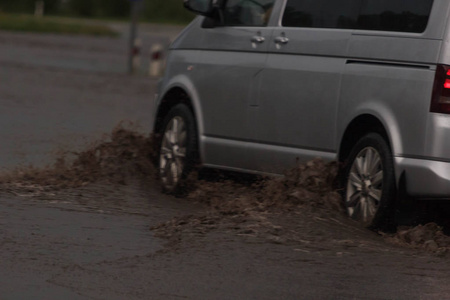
{"x":248,"y":208}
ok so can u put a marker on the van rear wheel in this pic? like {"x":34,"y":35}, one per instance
{"x":369,"y":183}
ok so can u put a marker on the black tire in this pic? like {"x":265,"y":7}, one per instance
{"x":177,"y":149}
{"x":368,"y":183}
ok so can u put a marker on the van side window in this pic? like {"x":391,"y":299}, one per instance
{"x":321,"y":13}
{"x":383,"y":15}
{"x":395,"y":15}
{"x":247,"y":12}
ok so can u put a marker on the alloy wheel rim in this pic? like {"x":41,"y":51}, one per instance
{"x":364,"y":186}
{"x":173,"y":152}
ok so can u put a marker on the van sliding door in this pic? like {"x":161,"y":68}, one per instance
{"x":301,"y":82}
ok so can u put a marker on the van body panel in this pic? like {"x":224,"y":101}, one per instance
{"x":425,"y":179}
{"x":177,"y":76}
{"x":276,"y":159}
{"x":262,"y":105}
{"x":436,"y":28}
{"x":399,"y":49}
{"x":299,"y":95}
{"x":305,"y":99}
{"x":226,"y":83}
{"x":394,"y":95}
{"x":225,"y":153}
{"x":444,"y":57}
{"x":311,"y":41}
{"x":191,"y":37}
{"x":438,"y":137}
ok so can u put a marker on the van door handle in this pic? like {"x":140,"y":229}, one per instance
{"x":257,"y":39}
{"x":281,"y":40}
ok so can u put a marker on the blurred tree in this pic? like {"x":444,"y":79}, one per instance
{"x":83,"y":8}
{"x":28,"y":6}
{"x":114,"y":8}
{"x":52,"y":6}
{"x":166,"y":11}
{"x":15,"y":6}
{"x":99,"y":8}
{"x":154,"y":10}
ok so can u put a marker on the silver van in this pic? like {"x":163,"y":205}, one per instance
{"x":252,"y":85}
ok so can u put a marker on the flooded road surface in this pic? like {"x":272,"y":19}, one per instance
{"x":47,"y":110}
{"x":95,"y":225}
{"x":39,"y":238}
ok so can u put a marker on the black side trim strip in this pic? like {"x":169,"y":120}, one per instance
{"x":387,"y":64}
{"x":419,"y":157}
{"x":269,"y":144}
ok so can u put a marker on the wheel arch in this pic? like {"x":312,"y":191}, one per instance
{"x":179,"y":91}
{"x":357,"y":128}
{"x":171,"y":98}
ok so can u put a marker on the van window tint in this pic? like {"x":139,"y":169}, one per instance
{"x":321,"y":13}
{"x":395,"y":15}
{"x":384,"y":15}
{"x":247,"y":12}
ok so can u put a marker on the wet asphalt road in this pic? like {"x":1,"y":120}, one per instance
{"x":58,"y":94}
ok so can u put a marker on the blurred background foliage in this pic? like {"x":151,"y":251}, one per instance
{"x":166,"y":11}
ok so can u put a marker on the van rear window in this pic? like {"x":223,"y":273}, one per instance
{"x":395,"y":15}
{"x":383,"y":15}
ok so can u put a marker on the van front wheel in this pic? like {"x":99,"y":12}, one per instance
{"x":178,"y":150}
{"x":369,"y":182}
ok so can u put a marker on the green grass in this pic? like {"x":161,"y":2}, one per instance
{"x":27,"y":23}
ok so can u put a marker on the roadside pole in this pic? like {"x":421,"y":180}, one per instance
{"x":39,"y":8}
{"x":133,"y":44}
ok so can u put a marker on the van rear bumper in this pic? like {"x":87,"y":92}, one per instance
{"x":427,"y":179}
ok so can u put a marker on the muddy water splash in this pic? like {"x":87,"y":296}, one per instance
{"x":123,"y":154}
{"x":307,"y":185}
{"x":429,"y":237}
{"x":305,"y":192}
{"x":250,"y":208}
{"x":255,"y":208}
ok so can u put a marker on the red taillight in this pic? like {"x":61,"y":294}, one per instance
{"x":440,"y":102}
{"x":447,"y":84}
